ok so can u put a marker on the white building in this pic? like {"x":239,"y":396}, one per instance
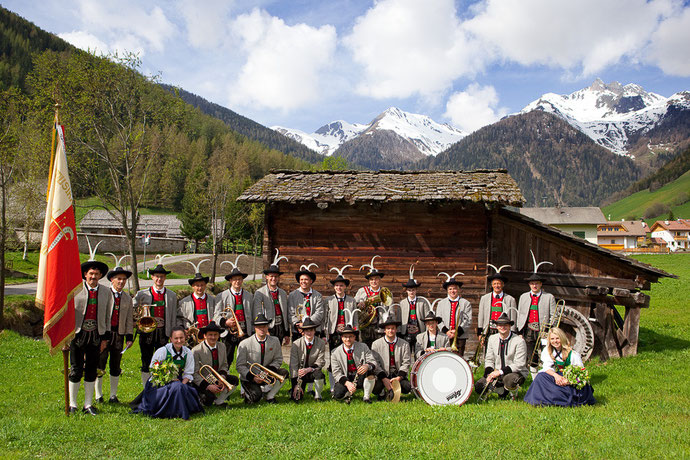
{"x":621,"y":235}
{"x":580,"y":222}
{"x":674,"y":233}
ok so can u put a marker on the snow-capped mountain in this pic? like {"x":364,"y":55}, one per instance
{"x":614,"y":116}
{"x":426,"y":135}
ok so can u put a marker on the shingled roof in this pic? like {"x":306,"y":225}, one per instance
{"x":493,"y":186}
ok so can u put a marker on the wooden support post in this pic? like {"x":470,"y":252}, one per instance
{"x":631,"y":330}
{"x":605,"y":332}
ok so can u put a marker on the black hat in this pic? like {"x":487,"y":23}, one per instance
{"x":235,"y":272}
{"x":309,"y":324}
{"x":503,"y":319}
{"x":431,"y":316}
{"x":304,"y":270}
{"x":118,"y":271}
{"x":390,"y":321}
{"x":348,"y":329}
{"x":89,"y":264}
{"x":497,"y":276}
{"x":273,"y":268}
{"x":198,"y":277}
{"x":411,"y":283}
{"x":372,"y":271}
{"x":261,"y":320}
{"x":211,"y":327}
{"x":159,"y":269}
{"x":535,"y":277}
{"x":452,"y":281}
{"x":340,"y":279}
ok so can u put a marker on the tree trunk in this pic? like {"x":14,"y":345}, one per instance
{"x":133,"y":254}
{"x":3,"y":242}
{"x":26,"y":238}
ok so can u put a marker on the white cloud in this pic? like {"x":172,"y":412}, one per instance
{"x":669,"y":45}
{"x":85,"y":41}
{"x":207,"y":25}
{"x":285,"y":64}
{"x":473,"y":108}
{"x":583,"y":35}
{"x":409,"y":47}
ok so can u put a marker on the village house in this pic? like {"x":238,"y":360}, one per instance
{"x":674,"y":233}
{"x":621,"y":235}
{"x":581,"y":222}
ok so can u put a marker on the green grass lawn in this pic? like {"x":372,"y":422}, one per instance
{"x":643,"y":411}
{"x":637,"y":203}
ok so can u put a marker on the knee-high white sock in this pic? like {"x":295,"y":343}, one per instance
{"x":88,"y":393}
{"x":221,"y":397}
{"x":99,"y":387}
{"x":276,"y":388}
{"x":368,"y":385}
{"x":114,"y":381}
{"x":318,"y":387}
{"x":331,"y":382}
{"x":73,"y":391}
{"x":533,"y":372}
{"x":145,"y":376}
{"x":309,"y":387}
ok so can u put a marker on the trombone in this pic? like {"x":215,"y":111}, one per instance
{"x":265,"y":374}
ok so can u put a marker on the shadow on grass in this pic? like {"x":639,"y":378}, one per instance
{"x":598,"y":378}
{"x":650,"y":340}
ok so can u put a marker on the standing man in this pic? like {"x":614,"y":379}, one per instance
{"x":163,"y":308}
{"x":393,"y":358}
{"x":412,"y":309}
{"x":265,"y":350}
{"x":353,"y":367}
{"x":494,"y":303}
{"x":199,"y":307}
{"x":305,"y":301}
{"x":240,"y":301}
{"x":535,"y":308}
{"x":373,"y":290}
{"x":271,"y":301}
{"x":432,"y":338}
{"x":211,"y":352}
{"x":90,"y":316}
{"x":455,"y":313}
{"x":506,"y":360}
{"x":307,"y":360}
{"x":120,"y":335}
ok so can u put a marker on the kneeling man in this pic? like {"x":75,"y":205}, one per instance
{"x":307,"y":360}
{"x":394,"y":359}
{"x":211,"y":352}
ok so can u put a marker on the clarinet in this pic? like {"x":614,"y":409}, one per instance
{"x":354,"y":382}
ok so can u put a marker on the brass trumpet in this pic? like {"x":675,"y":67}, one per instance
{"x":454,"y":345}
{"x":265,"y":374}
{"x":237,"y":330}
{"x":213,"y":377}
{"x":144,"y":321}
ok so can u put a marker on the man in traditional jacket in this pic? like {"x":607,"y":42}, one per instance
{"x":305,"y":301}
{"x":353,"y":367}
{"x":197,"y":309}
{"x":271,"y":301}
{"x":211,"y":352}
{"x":370,"y":333}
{"x":90,"y":329}
{"x":394,"y":359}
{"x":412,"y":311}
{"x":494,"y":303}
{"x":265,"y":350}
{"x":163,"y":308}
{"x":431,"y":338}
{"x":307,"y":360}
{"x":455,"y":313}
{"x":120,"y":335}
{"x":506,"y":360}
{"x":535,"y":309}
{"x":240,"y":302}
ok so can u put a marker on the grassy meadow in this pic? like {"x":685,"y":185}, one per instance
{"x":643,"y":411}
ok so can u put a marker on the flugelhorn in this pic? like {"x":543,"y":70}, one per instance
{"x":237,"y":330}
{"x":145,"y":322}
{"x":213,"y":377}
{"x":265,"y":374}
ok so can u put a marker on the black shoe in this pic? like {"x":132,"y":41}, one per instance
{"x":90,"y":410}
{"x":72,"y":409}
{"x":99,"y":400}
{"x":272,"y":401}
{"x":318,"y":399}
{"x":222,"y":405}
{"x":114,"y":400}
{"x":367,"y":400}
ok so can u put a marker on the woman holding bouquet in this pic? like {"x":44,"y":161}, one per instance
{"x":563,"y":380}
{"x":167,"y":393}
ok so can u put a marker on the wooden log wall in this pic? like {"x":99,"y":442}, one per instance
{"x":438,"y":238}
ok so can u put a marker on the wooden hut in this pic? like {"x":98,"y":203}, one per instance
{"x":444,"y":221}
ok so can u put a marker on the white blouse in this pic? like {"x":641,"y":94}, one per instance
{"x":162,"y":353}
{"x":549,"y":363}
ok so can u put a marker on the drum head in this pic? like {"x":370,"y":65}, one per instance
{"x":443,"y":378}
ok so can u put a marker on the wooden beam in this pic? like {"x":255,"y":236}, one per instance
{"x":564,"y":279}
{"x":631,"y":329}
{"x":606,"y":332}
{"x":596,"y":290}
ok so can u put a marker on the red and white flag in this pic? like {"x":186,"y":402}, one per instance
{"x":59,"y":270}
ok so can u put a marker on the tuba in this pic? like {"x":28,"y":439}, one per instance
{"x":265,"y":374}
{"x":384,"y":297}
{"x":144,"y":321}
{"x":213,"y":377}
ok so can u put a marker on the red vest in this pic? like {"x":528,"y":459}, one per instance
{"x":92,"y":305}
{"x":158,"y":301}
{"x":276,"y":302}
{"x":341,"y":311}
{"x":534,"y":308}
{"x":115,"y":318}
{"x":239,"y":306}
{"x":200,"y":311}
{"x":453,"y":311}
{"x":496,"y":306}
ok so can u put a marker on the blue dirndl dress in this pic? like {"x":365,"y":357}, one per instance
{"x":174,"y":400}
{"x":545,"y":392}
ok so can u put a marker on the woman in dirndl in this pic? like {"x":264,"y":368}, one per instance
{"x":177,"y":399}
{"x":550,"y":387}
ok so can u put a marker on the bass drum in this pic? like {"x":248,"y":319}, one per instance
{"x":441,"y":377}
{"x":579,"y":330}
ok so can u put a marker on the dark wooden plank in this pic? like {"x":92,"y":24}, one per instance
{"x":631,"y":330}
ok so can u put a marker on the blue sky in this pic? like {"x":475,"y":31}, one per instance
{"x":303,"y":63}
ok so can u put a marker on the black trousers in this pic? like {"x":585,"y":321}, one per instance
{"x":207,"y":397}
{"x":114,"y":352}
{"x":148,"y":344}
{"x":278,"y":331}
{"x":411,"y":339}
{"x":505,"y":382}
{"x":231,"y":343}
{"x":252,"y":390}
{"x":405,"y":385}
{"x":340,"y":391}
{"x":308,"y":378}
{"x":83,"y":356}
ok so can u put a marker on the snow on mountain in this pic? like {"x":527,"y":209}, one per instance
{"x":427,"y":135}
{"x":609,"y":114}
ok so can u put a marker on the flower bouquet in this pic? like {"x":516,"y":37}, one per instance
{"x":577,"y":376}
{"x":163,"y":372}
